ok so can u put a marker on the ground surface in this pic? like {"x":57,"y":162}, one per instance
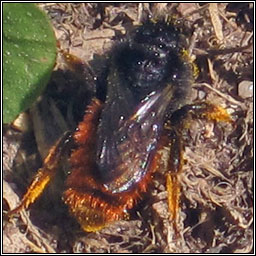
{"x":217,"y":180}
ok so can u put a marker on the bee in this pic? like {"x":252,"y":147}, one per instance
{"x":141,"y":106}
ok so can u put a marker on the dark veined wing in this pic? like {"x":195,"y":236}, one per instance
{"x":128,"y":135}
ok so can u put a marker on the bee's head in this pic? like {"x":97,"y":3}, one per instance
{"x":150,"y":58}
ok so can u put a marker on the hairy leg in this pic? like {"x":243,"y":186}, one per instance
{"x":174,"y":128}
{"x":45,"y":174}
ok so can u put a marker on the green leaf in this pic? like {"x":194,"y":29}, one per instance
{"x":29,"y":53}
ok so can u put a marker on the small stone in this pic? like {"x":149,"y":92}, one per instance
{"x":245,"y":89}
{"x":201,"y":95}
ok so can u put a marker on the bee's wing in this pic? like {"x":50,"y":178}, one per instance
{"x":126,"y":147}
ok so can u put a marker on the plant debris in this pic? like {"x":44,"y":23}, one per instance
{"x":216,"y":208}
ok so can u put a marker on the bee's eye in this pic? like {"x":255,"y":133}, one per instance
{"x":131,"y":59}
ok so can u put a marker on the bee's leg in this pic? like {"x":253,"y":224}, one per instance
{"x":44,"y":174}
{"x":200,"y":110}
{"x":179,"y":121}
{"x":174,"y":167}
